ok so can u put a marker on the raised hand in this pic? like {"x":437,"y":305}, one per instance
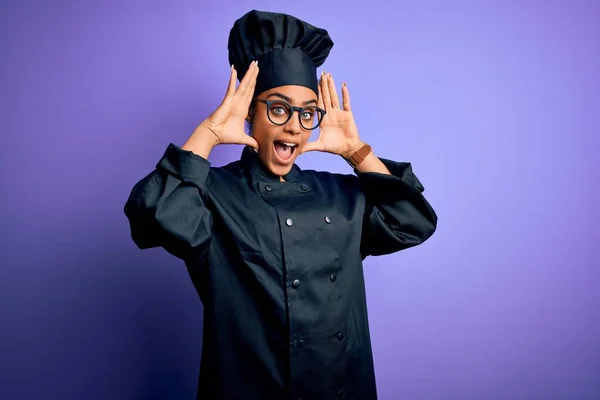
{"x":226,"y":123}
{"x":338,"y":133}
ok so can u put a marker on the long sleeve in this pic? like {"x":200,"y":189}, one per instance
{"x":397,"y":215}
{"x":167,"y":208}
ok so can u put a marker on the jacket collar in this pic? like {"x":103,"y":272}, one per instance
{"x":259,"y":172}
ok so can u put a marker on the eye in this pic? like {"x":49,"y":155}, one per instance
{"x":307,"y":115}
{"x":280,"y":109}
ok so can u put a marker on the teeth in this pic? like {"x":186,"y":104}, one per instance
{"x":289,"y":144}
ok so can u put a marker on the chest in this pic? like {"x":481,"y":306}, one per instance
{"x":313,"y":219}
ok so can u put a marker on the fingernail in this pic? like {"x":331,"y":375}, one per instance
{"x":345,"y":85}
{"x":331,"y":76}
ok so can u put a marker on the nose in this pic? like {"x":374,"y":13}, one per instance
{"x":293,"y":125}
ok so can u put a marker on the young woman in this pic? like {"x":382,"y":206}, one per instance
{"x":275,"y":252}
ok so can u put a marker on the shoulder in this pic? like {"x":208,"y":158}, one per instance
{"x":232,"y":170}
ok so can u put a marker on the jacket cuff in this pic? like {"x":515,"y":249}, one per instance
{"x":185,"y":165}
{"x":401,"y":184}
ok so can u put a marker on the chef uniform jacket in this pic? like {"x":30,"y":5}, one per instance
{"x":278,"y":267}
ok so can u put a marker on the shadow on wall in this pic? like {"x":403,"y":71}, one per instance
{"x":147,"y":325}
{"x":88,"y":315}
{"x":168,"y":327}
{"x":92,"y":316}
{"x":164,"y":313}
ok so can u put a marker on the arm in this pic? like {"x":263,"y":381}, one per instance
{"x":168,"y":207}
{"x":397,"y":215}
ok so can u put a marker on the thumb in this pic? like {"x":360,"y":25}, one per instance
{"x":249,"y":141}
{"x":313,"y":146}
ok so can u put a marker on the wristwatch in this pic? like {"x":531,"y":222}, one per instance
{"x":359,"y":155}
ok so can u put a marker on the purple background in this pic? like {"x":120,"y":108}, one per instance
{"x":495,"y":103}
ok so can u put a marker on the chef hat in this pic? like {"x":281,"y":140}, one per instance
{"x":288,"y":49}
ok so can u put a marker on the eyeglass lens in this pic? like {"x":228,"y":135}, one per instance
{"x":280,"y":112}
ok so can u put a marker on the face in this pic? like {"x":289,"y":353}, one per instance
{"x":280,"y":145}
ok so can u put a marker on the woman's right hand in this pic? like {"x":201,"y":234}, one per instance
{"x":226,"y":123}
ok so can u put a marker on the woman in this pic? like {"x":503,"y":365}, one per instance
{"x":276,"y":252}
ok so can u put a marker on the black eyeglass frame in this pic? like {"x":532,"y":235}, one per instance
{"x":320,"y":111}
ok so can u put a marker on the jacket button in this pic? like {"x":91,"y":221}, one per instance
{"x":333,"y":277}
{"x":300,"y":344}
{"x":296,"y":284}
{"x":304,"y":187}
{"x":340,"y":336}
{"x":289,"y":222}
{"x":268,"y":188}
{"x":328,"y":220}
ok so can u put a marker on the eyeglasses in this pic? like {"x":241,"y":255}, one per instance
{"x":279,"y":113}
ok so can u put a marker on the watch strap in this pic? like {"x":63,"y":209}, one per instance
{"x":359,"y":155}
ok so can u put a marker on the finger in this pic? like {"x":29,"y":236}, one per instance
{"x":325,"y":92}
{"x":242,"y":89}
{"x":320,"y":99}
{"x":335,"y":102}
{"x":346,"y":97}
{"x":250,"y":94}
{"x":317,"y":145}
{"x":232,"y":79}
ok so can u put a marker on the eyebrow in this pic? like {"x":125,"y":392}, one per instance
{"x":290,"y":100}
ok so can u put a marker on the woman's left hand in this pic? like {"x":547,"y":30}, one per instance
{"x":338,"y":132}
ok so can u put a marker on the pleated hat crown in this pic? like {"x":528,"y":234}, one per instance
{"x":288,"y":49}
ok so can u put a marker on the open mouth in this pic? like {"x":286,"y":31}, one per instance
{"x":284,"y":150}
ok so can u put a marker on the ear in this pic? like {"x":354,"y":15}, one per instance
{"x":251,"y":113}
{"x":249,"y":120}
